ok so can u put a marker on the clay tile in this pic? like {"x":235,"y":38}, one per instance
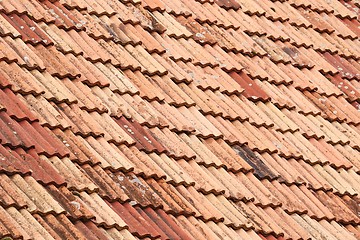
{"x":13,"y":134}
{"x":137,"y":190}
{"x":144,"y":140}
{"x":353,"y":25}
{"x":201,"y":33}
{"x":63,"y":17}
{"x":7,"y":28}
{"x":42,"y":171}
{"x":172,"y":223}
{"x":48,"y":139}
{"x":154,"y":225}
{"x":138,"y":226}
{"x":162,"y":223}
{"x":56,"y":63}
{"x":149,"y":21}
{"x":152,"y":5}
{"x":228,"y":4}
{"x":12,"y":229}
{"x":261,"y":170}
{"x":22,"y":53}
{"x":11,"y":163}
{"x":179,"y":153}
{"x":252,"y":90}
{"x":354,"y":230}
{"x":13,"y":73}
{"x":41,"y":145}
{"x":16,"y":108}
{"x":74,"y":207}
{"x":7,"y":197}
{"x":4,"y":81}
{"x":90,"y":235}
{"x":29,"y":30}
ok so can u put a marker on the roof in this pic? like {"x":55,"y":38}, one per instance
{"x":179,"y":119}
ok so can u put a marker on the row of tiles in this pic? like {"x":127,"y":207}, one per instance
{"x":306,"y":17}
{"x":205,"y":177}
{"x":182,"y":172}
{"x":179,"y":96}
{"x":177,"y":50}
{"x":332,"y":107}
{"x":203,"y":78}
{"x":331,"y":115}
{"x":208,"y":152}
{"x":105,"y":27}
{"x":52,"y":34}
{"x":85,"y":148}
{"x":182,"y":207}
{"x":266,"y":118}
{"x":320,"y":139}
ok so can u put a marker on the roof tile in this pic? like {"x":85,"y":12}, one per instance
{"x":7,"y":29}
{"x":252,"y":91}
{"x":144,"y":140}
{"x":29,"y":30}
{"x":104,"y":216}
{"x":15,"y":108}
{"x":232,"y":4}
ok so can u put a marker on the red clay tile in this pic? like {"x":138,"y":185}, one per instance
{"x":15,"y":108}
{"x":137,"y":224}
{"x":172,"y":223}
{"x":22,"y":53}
{"x":338,"y":207}
{"x":251,"y":8}
{"x":29,"y":30}
{"x":4,"y":82}
{"x":228,"y":4}
{"x":352,"y":25}
{"x":92,"y":233}
{"x":63,"y":17}
{"x":59,"y":226}
{"x":41,"y":170}
{"x":154,"y":5}
{"x":144,"y":140}
{"x":166,"y":223}
{"x":346,"y":70}
{"x":149,"y":22}
{"x":54,"y":60}
{"x":7,"y":28}
{"x":13,"y":135}
{"x":74,"y":207}
{"x":11,"y":230}
{"x":202,"y":34}
{"x":46,"y":142}
{"x":13,"y":8}
{"x":252,"y":91}
{"x":173,"y":28}
{"x":12,"y":163}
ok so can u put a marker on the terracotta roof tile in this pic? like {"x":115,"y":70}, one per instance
{"x":143,"y":138}
{"x":29,"y":30}
{"x":15,"y":7}
{"x":103,"y":213}
{"x":15,"y":108}
{"x":251,"y":8}
{"x":7,"y":28}
{"x":167,"y":224}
